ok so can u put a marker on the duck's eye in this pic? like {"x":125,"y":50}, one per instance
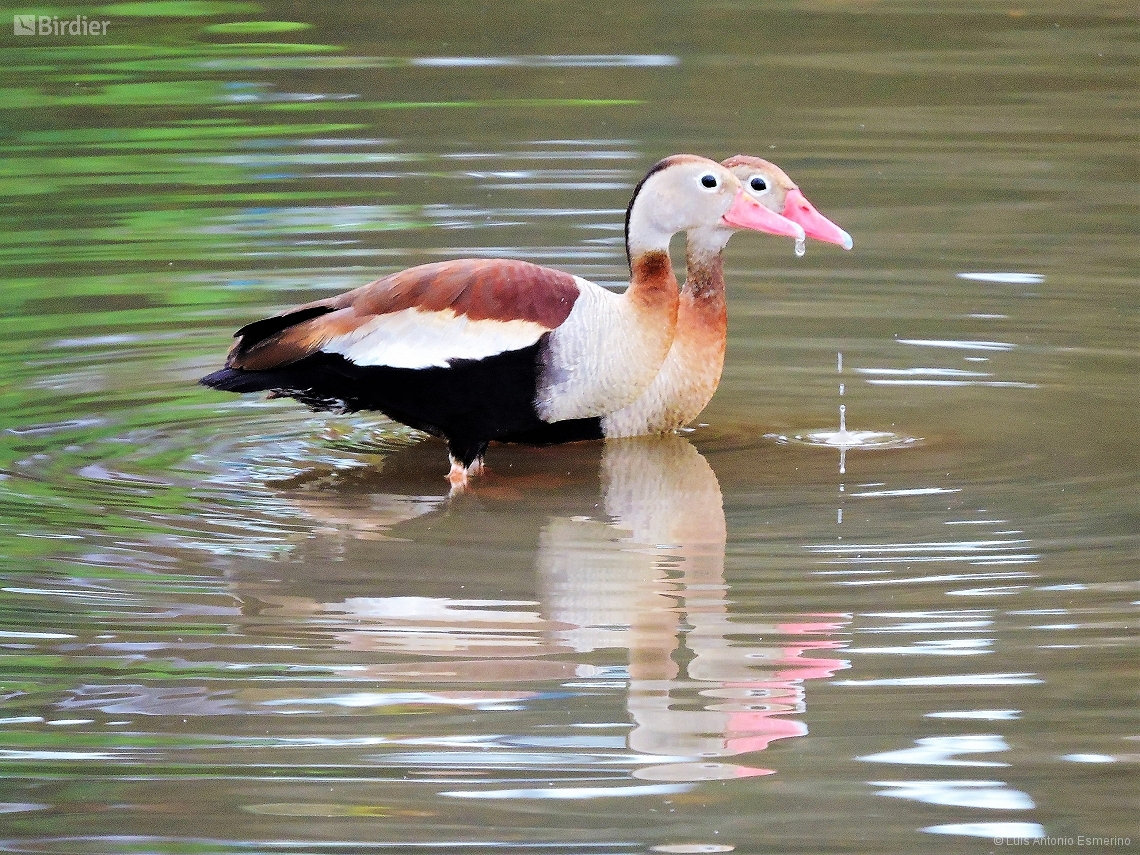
{"x":757,"y":183}
{"x":709,"y":181}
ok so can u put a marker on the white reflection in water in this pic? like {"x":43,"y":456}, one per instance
{"x":883,"y":561}
{"x":935,"y":622}
{"x":990,"y":795}
{"x":497,"y":754}
{"x":1024,"y":679}
{"x":952,"y":373}
{"x":992,"y":830}
{"x":944,"y":751}
{"x":959,"y":345}
{"x":993,"y":591}
{"x":943,"y":376}
{"x":48,"y":756}
{"x":1005,"y":278}
{"x":358,"y":700}
{"x":617,"y":60}
{"x":265,"y":160}
{"x":914,"y":491}
{"x":418,"y":609}
{"x":996,"y":384}
{"x":940,"y":647}
{"x":681,"y":771}
{"x":342,"y":230}
{"x":34,"y":635}
{"x":985,"y":715}
{"x":954,"y":546}
{"x":572,"y":792}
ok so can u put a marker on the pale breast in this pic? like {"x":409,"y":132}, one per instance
{"x":602,"y":357}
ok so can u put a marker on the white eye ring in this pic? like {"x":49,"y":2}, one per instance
{"x":710,"y":181}
{"x":762,"y":189}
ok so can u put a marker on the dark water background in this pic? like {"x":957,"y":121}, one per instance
{"x":228,"y":625}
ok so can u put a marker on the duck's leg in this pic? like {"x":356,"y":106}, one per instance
{"x":457,"y":477}
{"x":466,"y":462}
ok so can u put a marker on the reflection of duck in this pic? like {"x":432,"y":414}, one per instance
{"x":631,"y":619}
{"x":644,"y":576}
{"x":660,"y":591}
{"x":481,"y":349}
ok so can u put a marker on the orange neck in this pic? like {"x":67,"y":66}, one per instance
{"x":653,"y":285}
{"x":702,"y":322}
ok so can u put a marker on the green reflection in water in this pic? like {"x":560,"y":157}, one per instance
{"x":466,"y":104}
{"x":192,"y":135}
{"x":196,"y":234}
{"x":178,"y":9}
{"x":245,"y":27}
{"x":150,"y":57}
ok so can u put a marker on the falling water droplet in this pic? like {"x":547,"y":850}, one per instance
{"x":801,"y":247}
{"x":842,"y":431}
{"x":842,"y":426}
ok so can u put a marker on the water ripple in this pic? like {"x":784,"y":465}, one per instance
{"x":989,"y":795}
{"x":550,"y":61}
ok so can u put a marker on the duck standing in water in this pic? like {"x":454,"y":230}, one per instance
{"x":476,"y":350}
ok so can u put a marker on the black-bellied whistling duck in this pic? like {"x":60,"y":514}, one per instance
{"x":691,"y":371}
{"x":476,"y":350}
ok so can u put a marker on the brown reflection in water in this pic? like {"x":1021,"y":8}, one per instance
{"x":641,"y":571}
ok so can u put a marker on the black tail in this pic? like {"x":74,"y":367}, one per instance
{"x":234,"y":380}
{"x":308,"y":381}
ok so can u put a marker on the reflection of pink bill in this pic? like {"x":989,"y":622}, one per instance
{"x":24,"y":25}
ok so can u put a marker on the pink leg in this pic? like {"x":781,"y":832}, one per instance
{"x":457,"y":477}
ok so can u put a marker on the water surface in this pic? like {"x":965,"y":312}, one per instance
{"x":231,"y":625}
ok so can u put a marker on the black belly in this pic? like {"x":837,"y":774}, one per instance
{"x":470,"y":403}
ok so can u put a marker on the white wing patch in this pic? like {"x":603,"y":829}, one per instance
{"x":413,"y":338}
